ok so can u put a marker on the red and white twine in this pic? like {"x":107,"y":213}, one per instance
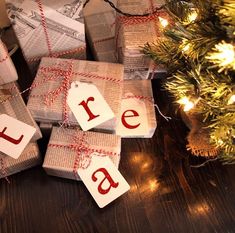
{"x":84,"y":152}
{"x":44,"y":25}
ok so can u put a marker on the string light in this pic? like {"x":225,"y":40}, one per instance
{"x":188,"y":105}
{"x":231,"y":100}
{"x":185,"y":46}
{"x":163,"y":21}
{"x":192,"y":16}
{"x":223,"y":56}
{"x":220,"y":142}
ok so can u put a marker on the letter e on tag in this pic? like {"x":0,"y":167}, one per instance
{"x":133,"y":119}
{"x":14,"y":135}
{"x":103,"y":180}
{"x":88,"y":105}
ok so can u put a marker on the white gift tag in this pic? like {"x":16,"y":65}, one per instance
{"x":133,"y":119}
{"x":14,"y":135}
{"x":103,"y":180}
{"x":88,"y":105}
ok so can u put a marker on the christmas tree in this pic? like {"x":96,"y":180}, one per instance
{"x":199,"y":54}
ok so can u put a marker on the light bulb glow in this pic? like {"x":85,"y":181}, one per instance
{"x":188,"y":105}
{"x":192,"y":16}
{"x":231,"y":100}
{"x":153,"y":185}
{"x":185,"y":46}
{"x":223,"y":55}
{"x":220,"y":142}
{"x":163,"y":21}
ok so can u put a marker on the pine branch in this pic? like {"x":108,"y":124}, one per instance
{"x":197,"y":70}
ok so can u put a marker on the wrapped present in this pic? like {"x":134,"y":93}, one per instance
{"x":133,"y":32}
{"x":70,"y":149}
{"x":12,"y":104}
{"x":7,"y":69}
{"x":48,"y":98}
{"x":137,"y":118}
{"x":99,"y":20}
{"x":100,"y":30}
{"x":30,"y":157}
{"x":48,"y":28}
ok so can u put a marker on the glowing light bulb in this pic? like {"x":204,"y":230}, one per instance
{"x":163,"y":21}
{"x":223,"y":56}
{"x":192,"y":16}
{"x":185,"y":46}
{"x":188,"y":105}
{"x":231,"y":100}
{"x":220,"y":142}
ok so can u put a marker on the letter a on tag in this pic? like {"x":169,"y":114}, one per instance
{"x":14,"y":135}
{"x":88,"y":105}
{"x":103,"y":180}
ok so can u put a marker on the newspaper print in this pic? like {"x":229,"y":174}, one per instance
{"x":64,"y":26}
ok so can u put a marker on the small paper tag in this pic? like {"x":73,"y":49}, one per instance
{"x":88,"y":105}
{"x":103,"y":180}
{"x":14,"y":135}
{"x":133,"y":119}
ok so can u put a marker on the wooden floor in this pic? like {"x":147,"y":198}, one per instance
{"x":168,"y":192}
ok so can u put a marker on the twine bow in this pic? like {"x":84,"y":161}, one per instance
{"x":54,"y":74}
{"x":84,"y":152}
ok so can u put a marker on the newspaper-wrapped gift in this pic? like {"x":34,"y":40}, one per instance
{"x":70,"y":149}
{"x":30,"y":157}
{"x":48,"y":98}
{"x":132,"y":33}
{"x":48,"y":28}
{"x":137,"y":117}
{"x":7,"y":69}
{"x":100,"y":29}
{"x":12,"y":104}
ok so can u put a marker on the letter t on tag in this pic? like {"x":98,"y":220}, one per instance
{"x":88,"y":105}
{"x":14,"y":136}
{"x":103,"y":180}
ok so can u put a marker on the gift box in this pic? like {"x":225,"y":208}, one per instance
{"x":30,"y":157}
{"x":7,"y":69}
{"x":48,"y":28}
{"x":48,"y":98}
{"x":12,"y":104}
{"x":137,"y":118}
{"x":133,"y":32}
{"x":70,"y":149}
{"x":100,"y":31}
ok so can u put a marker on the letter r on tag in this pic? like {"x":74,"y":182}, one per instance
{"x":89,"y":110}
{"x":85,"y":106}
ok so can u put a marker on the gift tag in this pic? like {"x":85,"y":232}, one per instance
{"x":88,"y":105}
{"x":14,"y":135}
{"x":133,"y":119}
{"x":103,"y":180}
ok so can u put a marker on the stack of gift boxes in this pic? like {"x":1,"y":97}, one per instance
{"x":53,"y":34}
